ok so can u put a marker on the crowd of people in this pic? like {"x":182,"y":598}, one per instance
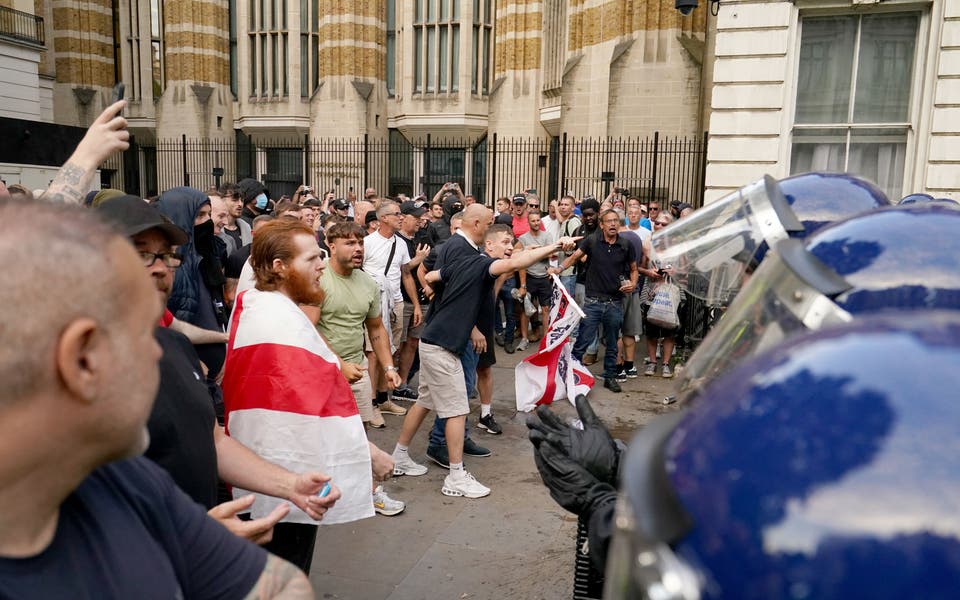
{"x":288,"y":327}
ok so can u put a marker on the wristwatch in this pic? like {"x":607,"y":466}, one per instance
{"x":391,"y":368}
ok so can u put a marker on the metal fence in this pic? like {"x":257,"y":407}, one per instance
{"x":21,"y":26}
{"x":490,"y":167}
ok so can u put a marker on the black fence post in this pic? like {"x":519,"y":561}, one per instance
{"x":306,"y":160}
{"x":426,"y":169}
{"x":493,"y":170}
{"x":563,"y":165}
{"x":553,"y":170}
{"x":653,"y":174}
{"x":183,"y":152}
{"x":366,"y":161}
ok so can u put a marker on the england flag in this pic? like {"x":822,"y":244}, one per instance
{"x":552,"y":373}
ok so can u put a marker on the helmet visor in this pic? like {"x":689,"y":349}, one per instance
{"x":711,"y":250}
{"x":776,"y":303}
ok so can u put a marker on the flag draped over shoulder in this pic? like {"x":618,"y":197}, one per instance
{"x":286,"y":400}
{"x":552,"y":373}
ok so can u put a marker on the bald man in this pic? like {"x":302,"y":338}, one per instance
{"x":83,"y":515}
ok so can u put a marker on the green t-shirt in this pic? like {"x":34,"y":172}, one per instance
{"x":349,"y":301}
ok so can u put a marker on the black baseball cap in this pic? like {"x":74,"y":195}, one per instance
{"x":340,"y":204}
{"x":412,"y":208}
{"x":370,"y":218}
{"x":131,"y":215}
{"x":519,"y":199}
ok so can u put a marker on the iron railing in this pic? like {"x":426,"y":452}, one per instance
{"x":21,"y":26}
{"x":655,"y":167}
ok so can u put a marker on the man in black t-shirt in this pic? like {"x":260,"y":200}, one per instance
{"x":79,"y":378}
{"x":467,"y":288}
{"x":410,"y":230}
{"x":612,"y":272}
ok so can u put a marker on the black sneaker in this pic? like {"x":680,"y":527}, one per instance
{"x":405,"y":392}
{"x":621,"y":375}
{"x":510,"y":346}
{"x":490,"y":424}
{"x":612,"y":385}
{"x":438,"y":454}
{"x":470,"y":448}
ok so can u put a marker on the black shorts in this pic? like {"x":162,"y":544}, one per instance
{"x":489,"y":356}
{"x":540,"y":290}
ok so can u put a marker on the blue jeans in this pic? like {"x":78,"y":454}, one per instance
{"x":469,"y":360}
{"x":504,"y":296}
{"x":570,"y":284}
{"x":608,"y":313}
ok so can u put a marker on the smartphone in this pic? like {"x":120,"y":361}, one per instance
{"x":117,"y":94}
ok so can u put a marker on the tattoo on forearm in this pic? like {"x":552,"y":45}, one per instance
{"x":70,"y":174}
{"x":65,"y":186}
{"x":280,"y":577}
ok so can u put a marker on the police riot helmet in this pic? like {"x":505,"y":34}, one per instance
{"x":711,"y":250}
{"x":824,"y":468}
{"x":896,"y":258}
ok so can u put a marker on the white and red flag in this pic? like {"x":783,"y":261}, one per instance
{"x":286,"y":400}
{"x":553,"y":373}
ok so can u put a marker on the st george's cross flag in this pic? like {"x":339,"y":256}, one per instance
{"x":286,"y":400}
{"x":553,"y":373}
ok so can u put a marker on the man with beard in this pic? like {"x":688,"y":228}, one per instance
{"x":284,"y":393}
{"x":185,"y":438}
{"x":83,"y":516}
{"x":467,"y":291}
{"x":351,"y":302}
{"x":611,"y":274}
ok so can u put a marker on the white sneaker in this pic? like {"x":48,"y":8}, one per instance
{"x":404,"y":465}
{"x":523,"y":344}
{"x":667,"y":373}
{"x":385,"y":505}
{"x":650,"y":369}
{"x":463,"y":485}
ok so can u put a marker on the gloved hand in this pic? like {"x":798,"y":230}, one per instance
{"x":571,"y":486}
{"x":592,"y":448}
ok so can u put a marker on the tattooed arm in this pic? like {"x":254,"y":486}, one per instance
{"x":281,"y":579}
{"x":107,"y":134}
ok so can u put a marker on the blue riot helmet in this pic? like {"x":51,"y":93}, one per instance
{"x":915,"y":198}
{"x":824,"y":468}
{"x":900,"y":258}
{"x":946,"y":201}
{"x":711,"y":250}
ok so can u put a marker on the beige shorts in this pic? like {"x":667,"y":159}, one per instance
{"x":442,"y":387}
{"x":409,"y":331}
{"x":396,"y":324}
{"x":363,"y":393}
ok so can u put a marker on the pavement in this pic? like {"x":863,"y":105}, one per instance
{"x":516,"y":543}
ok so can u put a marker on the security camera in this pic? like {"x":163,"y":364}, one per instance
{"x":685,"y":6}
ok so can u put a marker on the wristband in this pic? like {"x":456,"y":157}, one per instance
{"x":391,"y":368}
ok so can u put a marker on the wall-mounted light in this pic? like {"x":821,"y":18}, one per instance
{"x":686,"y":6}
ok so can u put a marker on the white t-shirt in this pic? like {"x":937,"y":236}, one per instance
{"x":642,"y":232}
{"x":376,"y":251}
{"x":551,"y":226}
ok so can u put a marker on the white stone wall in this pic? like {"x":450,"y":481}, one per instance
{"x":753,"y":97}
{"x":20,"y":91}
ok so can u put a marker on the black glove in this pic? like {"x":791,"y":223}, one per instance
{"x":571,"y":486}
{"x":592,"y":448}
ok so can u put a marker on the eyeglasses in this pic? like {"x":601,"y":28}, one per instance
{"x":169,"y":259}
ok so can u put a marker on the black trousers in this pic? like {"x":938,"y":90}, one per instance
{"x":294,"y":542}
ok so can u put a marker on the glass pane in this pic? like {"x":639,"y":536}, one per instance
{"x":456,"y":10}
{"x":485,"y":75}
{"x":264,"y":16}
{"x":818,"y":150}
{"x":304,"y":66}
{"x":315,"y":62}
{"x":252,"y":15}
{"x":455,"y":58}
{"x":476,"y":11}
{"x":444,"y":50}
{"x":391,"y":62}
{"x":879,"y":155}
{"x":826,"y":63}
{"x":155,"y":18}
{"x":444,"y":10}
{"x":253,"y":65}
{"x":475,"y":66}
{"x":304,"y":16}
{"x":487,"y":12}
{"x":275,"y":75}
{"x":418,"y":60}
{"x":885,"y":72}
{"x":315,"y":16}
{"x":283,"y":13}
{"x":431,"y":11}
{"x":284,"y":66}
{"x":157,"y":68}
{"x":418,"y":11}
{"x":264,"y":67}
{"x":431,"y":59}
{"x":391,"y":15}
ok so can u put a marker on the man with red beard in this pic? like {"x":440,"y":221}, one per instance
{"x":284,"y":394}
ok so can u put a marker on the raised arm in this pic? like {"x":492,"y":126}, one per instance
{"x":522,"y":260}
{"x":106,"y":135}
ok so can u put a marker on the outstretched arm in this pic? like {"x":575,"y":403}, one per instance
{"x":106,"y":135}
{"x":522,"y":260}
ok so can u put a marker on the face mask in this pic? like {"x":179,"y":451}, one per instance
{"x":261,"y":201}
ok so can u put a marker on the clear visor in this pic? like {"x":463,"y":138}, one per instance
{"x":711,"y":250}
{"x":642,"y":568}
{"x":775,"y":304}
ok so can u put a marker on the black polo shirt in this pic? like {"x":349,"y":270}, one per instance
{"x":607,"y":263}
{"x":468,"y":289}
